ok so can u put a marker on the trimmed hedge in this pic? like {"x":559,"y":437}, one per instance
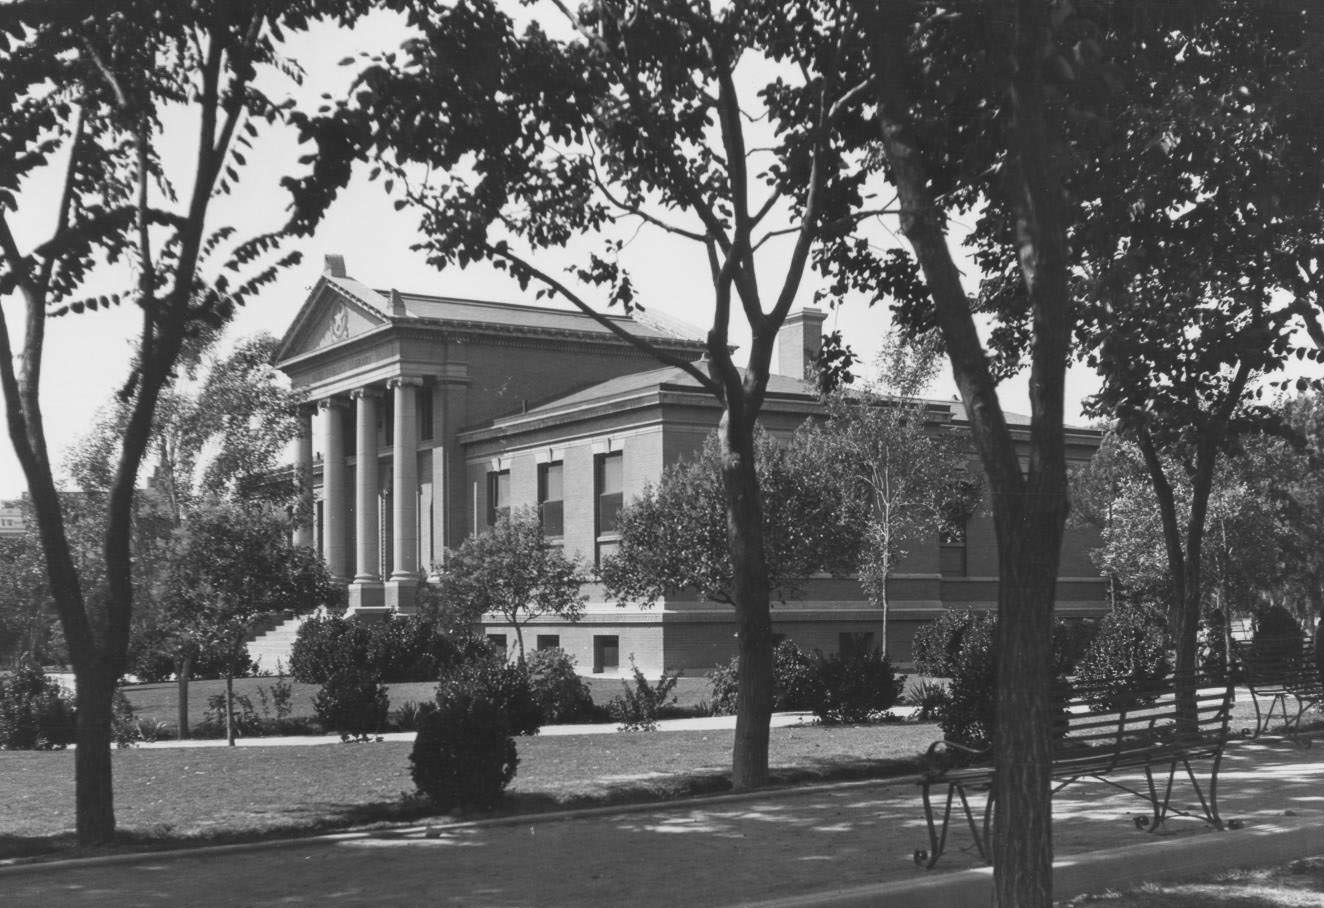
{"x":394,"y":649}
{"x":465,"y":755}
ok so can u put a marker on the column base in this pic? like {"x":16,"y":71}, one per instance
{"x":366,"y":596}
{"x":402,"y":595}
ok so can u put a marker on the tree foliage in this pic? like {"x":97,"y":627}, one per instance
{"x":510,"y":143}
{"x":232,"y":564}
{"x":674,"y":534}
{"x":85,"y":93}
{"x":906,"y":478}
{"x":513,"y":572}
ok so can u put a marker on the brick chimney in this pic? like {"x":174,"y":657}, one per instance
{"x":798,"y":342}
{"x":334,"y":266}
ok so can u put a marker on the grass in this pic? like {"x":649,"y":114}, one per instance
{"x":169,"y":797}
{"x":159,"y":702}
{"x":1299,"y":883}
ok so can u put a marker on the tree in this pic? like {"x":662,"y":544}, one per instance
{"x":232,"y":564}
{"x":905,"y":479}
{"x":28,"y":627}
{"x":219,"y":435}
{"x":649,"y":117}
{"x":1195,"y":264}
{"x":84,"y":94}
{"x":512,"y":571}
{"x":674,"y":535}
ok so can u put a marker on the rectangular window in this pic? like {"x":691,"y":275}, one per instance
{"x":606,"y":653}
{"x":387,"y":409}
{"x":498,"y":496}
{"x":551,"y":504}
{"x":549,"y":641}
{"x":952,"y":551}
{"x":317,"y":520}
{"x":608,"y":475}
{"x":854,"y":643}
{"x":424,"y":403}
{"x":497,"y":642}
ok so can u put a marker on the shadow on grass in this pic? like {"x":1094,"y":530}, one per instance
{"x":323,"y":818}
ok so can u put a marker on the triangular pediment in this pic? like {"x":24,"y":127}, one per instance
{"x":333,"y":314}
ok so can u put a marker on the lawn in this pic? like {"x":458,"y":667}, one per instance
{"x":159,"y":701}
{"x":174,"y":796}
{"x":1293,"y":885}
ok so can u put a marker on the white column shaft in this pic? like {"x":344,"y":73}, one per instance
{"x":333,"y":487}
{"x":404,"y":497}
{"x":365,"y":487}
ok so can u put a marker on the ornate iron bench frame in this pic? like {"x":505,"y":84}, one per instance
{"x":1276,"y":669}
{"x":1098,"y":736}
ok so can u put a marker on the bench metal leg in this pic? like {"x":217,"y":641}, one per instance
{"x":938,"y":837}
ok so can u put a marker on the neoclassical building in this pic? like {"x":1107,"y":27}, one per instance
{"x":429,"y":416}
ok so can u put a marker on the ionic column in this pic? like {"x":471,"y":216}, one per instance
{"x":303,"y":478}
{"x":365,"y":485}
{"x":333,"y":485}
{"x":404,"y":499}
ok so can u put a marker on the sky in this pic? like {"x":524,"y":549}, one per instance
{"x":87,"y":355}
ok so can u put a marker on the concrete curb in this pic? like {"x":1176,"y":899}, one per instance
{"x":23,"y":865}
{"x":1096,"y":871}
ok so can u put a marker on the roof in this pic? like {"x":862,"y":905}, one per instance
{"x":544,"y":318}
{"x":638,"y":382}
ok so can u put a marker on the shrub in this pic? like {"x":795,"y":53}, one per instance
{"x":638,"y":706}
{"x":353,"y":703}
{"x":970,"y":712}
{"x":928,"y":697}
{"x":410,"y":716}
{"x":853,"y":689}
{"x":246,"y":721}
{"x":937,"y":645}
{"x":124,"y":728}
{"x":34,"y":713}
{"x":464,"y":755}
{"x":1071,"y":640}
{"x":1129,"y":652}
{"x":394,"y":649}
{"x":560,"y":694}
{"x":792,"y":673}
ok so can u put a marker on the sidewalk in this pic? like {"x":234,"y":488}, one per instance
{"x":844,"y":844}
{"x":703,"y":723}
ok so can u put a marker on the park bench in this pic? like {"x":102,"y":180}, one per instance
{"x":1278,"y":669}
{"x":1100,"y":734}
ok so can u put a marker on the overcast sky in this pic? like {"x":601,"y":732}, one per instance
{"x":87,"y":355}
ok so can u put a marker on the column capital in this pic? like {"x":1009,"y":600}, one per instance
{"x":331,"y":403}
{"x":405,"y":381}
{"x":368,"y":392}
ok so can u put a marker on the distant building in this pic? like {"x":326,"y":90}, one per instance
{"x":11,"y":519}
{"x":473,"y":407}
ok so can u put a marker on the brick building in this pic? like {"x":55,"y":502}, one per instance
{"x":475,"y":407}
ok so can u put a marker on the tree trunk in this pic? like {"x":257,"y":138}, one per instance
{"x":1022,"y":841}
{"x":183,"y":666}
{"x":744,"y":524}
{"x":93,"y":793}
{"x":519,"y":640}
{"x":229,"y":707}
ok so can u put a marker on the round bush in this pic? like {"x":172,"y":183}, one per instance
{"x":560,"y":694}
{"x":969,"y":715}
{"x":937,"y":645}
{"x":853,"y":689}
{"x":792,"y":673}
{"x":464,"y":755}
{"x":1129,"y":652}
{"x":34,"y":713}
{"x":352,"y":703}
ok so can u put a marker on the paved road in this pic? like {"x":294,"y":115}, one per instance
{"x":720,"y":852}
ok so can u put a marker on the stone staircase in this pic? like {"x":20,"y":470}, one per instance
{"x":270,"y":642}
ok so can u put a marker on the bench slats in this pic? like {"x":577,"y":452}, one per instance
{"x":1098,"y":731}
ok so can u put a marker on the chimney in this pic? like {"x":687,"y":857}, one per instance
{"x":334,"y":266}
{"x":799,"y":341}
